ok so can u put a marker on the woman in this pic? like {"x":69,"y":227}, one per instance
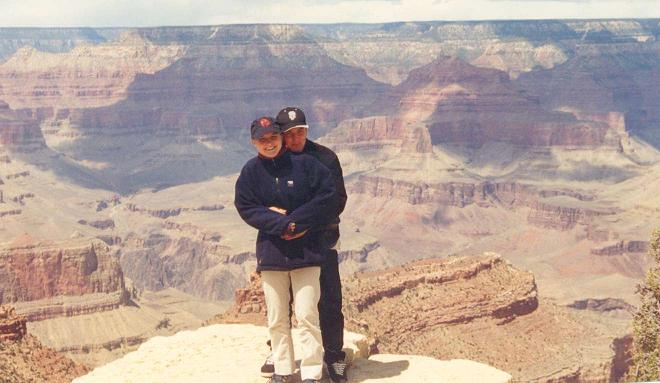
{"x":286,"y":197}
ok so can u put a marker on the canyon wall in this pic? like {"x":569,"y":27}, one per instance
{"x":46,"y":280}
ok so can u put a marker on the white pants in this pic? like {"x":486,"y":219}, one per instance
{"x":305,"y":285}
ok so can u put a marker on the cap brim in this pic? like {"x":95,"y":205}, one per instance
{"x":262,"y":133}
{"x":295,"y":126}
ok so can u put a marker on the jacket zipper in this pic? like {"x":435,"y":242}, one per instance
{"x":277,"y":185}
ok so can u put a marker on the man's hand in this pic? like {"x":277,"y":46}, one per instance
{"x":289,"y":237}
{"x":290,"y":232}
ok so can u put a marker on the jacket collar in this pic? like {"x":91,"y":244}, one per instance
{"x":278,"y":160}
{"x":281,"y":152}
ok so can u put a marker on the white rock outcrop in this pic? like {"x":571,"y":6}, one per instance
{"x":234,"y":353}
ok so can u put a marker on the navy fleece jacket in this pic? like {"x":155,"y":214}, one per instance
{"x":304,"y":188}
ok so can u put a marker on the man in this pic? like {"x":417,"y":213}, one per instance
{"x":294,"y":128}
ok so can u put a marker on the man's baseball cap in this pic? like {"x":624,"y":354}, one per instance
{"x":291,"y":117}
{"x":263,"y":125}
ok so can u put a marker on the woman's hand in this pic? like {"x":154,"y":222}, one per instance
{"x":278,"y":210}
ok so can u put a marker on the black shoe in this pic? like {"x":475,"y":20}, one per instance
{"x":268,"y":368}
{"x":281,"y":379}
{"x":337,"y":371}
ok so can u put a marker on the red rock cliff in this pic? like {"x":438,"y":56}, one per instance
{"x":32,"y":271}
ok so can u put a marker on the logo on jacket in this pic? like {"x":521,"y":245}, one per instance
{"x":289,"y":183}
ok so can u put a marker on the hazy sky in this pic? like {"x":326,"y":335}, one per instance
{"x":99,"y":13}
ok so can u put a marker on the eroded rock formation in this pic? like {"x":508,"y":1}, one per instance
{"x":46,"y":280}
{"x":622,"y":247}
{"x":186,"y":257}
{"x":12,"y":327}
{"x":19,"y":130}
{"x":466,"y":105}
{"x":88,"y":75}
{"x":34,"y":271}
{"x":25,"y":359}
{"x":480,"y":308}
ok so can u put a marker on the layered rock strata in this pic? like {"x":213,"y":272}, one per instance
{"x":602,"y":79}
{"x":149,"y":91}
{"x":489,"y":287}
{"x":622,"y":247}
{"x":86,"y":76}
{"x":466,"y":105}
{"x":542,"y":212}
{"x":19,"y":130}
{"x":49,"y":279}
{"x":380,"y":132}
{"x":12,"y":327}
{"x":66,"y":306}
{"x":558,"y":217}
{"x":166,"y":213}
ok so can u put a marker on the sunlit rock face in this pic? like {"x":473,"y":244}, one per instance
{"x":33,"y":270}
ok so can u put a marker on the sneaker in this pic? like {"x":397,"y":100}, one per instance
{"x":337,"y":371}
{"x":281,"y":379}
{"x":268,"y":368}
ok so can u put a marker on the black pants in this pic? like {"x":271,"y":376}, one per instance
{"x":330,"y":315}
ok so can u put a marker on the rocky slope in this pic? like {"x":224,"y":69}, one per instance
{"x":25,"y":359}
{"x":474,"y":309}
{"x":479,"y":308}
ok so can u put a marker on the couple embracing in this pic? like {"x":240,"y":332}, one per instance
{"x":293,"y":192}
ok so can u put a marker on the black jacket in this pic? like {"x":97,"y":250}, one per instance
{"x":302,"y":186}
{"x":329,"y":159}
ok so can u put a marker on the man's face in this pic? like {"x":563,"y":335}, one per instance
{"x":269,"y":145}
{"x":295,"y":139}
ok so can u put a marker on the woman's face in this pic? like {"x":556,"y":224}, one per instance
{"x":269,"y":145}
